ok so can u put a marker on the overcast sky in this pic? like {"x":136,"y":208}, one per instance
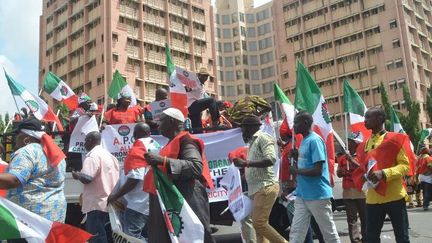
{"x":19,"y":46}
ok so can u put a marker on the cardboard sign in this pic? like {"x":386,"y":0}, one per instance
{"x":158,"y":106}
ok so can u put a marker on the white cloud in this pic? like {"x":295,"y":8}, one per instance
{"x":7,"y":103}
{"x":19,"y":25}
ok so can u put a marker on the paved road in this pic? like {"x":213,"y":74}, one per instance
{"x":420,"y":230}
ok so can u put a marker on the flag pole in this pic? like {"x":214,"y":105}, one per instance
{"x":54,"y":125}
{"x":101,"y":117}
{"x":40,"y":91}
{"x":346,"y":137}
{"x":7,"y":125}
{"x":292,"y":145}
{"x":16,"y":104}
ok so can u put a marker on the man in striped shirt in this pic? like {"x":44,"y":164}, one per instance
{"x":263,"y":188}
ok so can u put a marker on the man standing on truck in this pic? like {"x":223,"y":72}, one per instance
{"x":99,"y":175}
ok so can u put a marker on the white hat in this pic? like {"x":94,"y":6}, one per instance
{"x":94,"y":107}
{"x":174,"y":113}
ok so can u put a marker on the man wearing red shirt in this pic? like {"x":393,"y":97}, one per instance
{"x":354,"y":200}
{"x":122,"y":113}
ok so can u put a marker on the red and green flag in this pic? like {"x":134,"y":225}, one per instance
{"x":19,"y":223}
{"x":177,"y":90}
{"x":182,"y":223}
{"x":36,"y":105}
{"x":59,"y":90}
{"x":309,"y":98}
{"x":356,"y":108}
{"x":118,"y":86}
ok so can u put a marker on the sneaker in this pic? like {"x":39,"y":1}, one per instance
{"x":425,"y":209}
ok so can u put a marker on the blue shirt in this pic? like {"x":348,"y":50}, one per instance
{"x":312,"y":150}
{"x":41,"y":189}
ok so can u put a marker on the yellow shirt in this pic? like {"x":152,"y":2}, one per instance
{"x":393,"y":175}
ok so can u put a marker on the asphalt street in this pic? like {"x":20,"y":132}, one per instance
{"x":420,"y":228}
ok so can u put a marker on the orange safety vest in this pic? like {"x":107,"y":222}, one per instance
{"x":385,"y":155}
{"x":172,"y":150}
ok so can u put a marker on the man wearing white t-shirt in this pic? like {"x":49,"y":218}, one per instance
{"x":137,"y":209}
{"x":198,"y":101}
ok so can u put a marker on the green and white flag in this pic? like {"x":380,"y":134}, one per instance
{"x":17,"y":222}
{"x":287,"y":107}
{"x":356,"y":108}
{"x":119,"y":86}
{"x":309,"y":98}
{"x":424,"y":134}
{"x":396,"y":126}
{"x":36,"y":105}
{"x":182,"y":223}
{"x":60,"y":91}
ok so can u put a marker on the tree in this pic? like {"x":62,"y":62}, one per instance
{"x":386,"y":104}
{"x":429,"y":104}
{"x":2,"y":124}
{"x":411,"y":121}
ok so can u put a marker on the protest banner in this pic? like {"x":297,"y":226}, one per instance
{"x":158,"y":106}
{"x":239,"y":204}
{"x":118,"y":139}
{"x":117,"y":233}
{"x":187,"y":78}
{"x":84,"y":125}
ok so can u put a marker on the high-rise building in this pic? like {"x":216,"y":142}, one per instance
{"x":245,"y":49}
{"x":364,"y":41}
{"x":85,"y":41}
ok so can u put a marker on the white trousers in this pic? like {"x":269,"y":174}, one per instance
{"x":321,"y":210}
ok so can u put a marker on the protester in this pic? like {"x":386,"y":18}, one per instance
{"x":388,"y":151}
{"x":99,"y":175}
{"x":34,"y":180}
{"x":263,"y":188}
{"x":425,"y":175}
{"x":160,"y":94}
{"x":354,"y":199}
{"x":199,"y":101}
{"x":313,"y":192}
{"x":137,"y":208}
{"x":183,"y":160}
{"x":123,"y":113}
{"x":84,"y":103}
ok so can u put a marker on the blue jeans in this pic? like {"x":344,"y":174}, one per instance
{"x":95,"y":225}
{"x":134,"y":223}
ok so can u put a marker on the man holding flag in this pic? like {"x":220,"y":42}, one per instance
{"x":383,"y":162}
{"x":183,"y":160}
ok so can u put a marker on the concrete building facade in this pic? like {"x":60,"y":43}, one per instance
{"x":364,"y":41}
{"x":85,"y":41}
{"x":245,"y":49}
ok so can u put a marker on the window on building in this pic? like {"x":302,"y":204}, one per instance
{"x":239,"y":75}
{"x":246,"y":74}
{"x":284,"y":58}
{"x":254,"y":74}
{"x":245,"y":59}
{"x":237,"y":60}
{"x":262,"y":15}
{"x":251,"y":32}
{"x":244,"y":47}
{"x":234,"y":18}
{"x":227,"y":47}
{"x":256,"y":89}
{"x":253,"y":60}
{"x":268,"y":87}
{"x":221,"y":76}
{"x":267,"y":72}
{"x":229,"y":61}
{"x":218,"y":33}
{"x":247,"y":89}
{"x":229,"y":76}
{"x":250,"y":18}
{"x":242,"y":17}
{"x":231,"y":90}
{"x":222,"y":90}
{"x":235,"y":31}
{"x":252,"y":45}
{"x":115,"y":57}
{"x":264,"y":29}
{"x":243,"y":31}
{"x":285,"y":75}
{"x":240,"y":89}
{"x":265,"y":43}
{"x":266,"y":57}
{"x":398,"y":63}
{"x":226,"y":33}
{"x":226,"y":19}
{"x":393,"y":24}
{"x":236,"y":46}
{"x":396,"y":43}
{"x":217,"y":19}
{"x":219,"y":61}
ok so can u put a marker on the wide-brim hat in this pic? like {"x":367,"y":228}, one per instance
{"x":203,"y":71}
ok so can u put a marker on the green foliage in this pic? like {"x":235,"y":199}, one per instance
{"x":429,"y":104}
{"x":386,"y":105}
{"x":411,"y":121}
